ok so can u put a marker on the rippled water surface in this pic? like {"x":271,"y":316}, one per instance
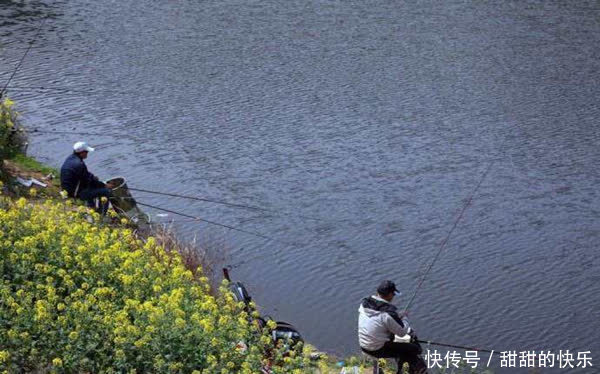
{"x":380,"y":117}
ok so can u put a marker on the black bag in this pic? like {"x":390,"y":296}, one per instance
{"x":286,"y":333}
{"x":240,"y":293}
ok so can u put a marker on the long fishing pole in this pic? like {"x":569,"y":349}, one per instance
{"x":222,"y":202}
{"x":24,"y":55}
{"x":37,"y":130}
{"x":456,"y":346}
{"x":33,"y":130}
{"x":207,"y":221}
{"x":61,"y":89}
{"x":460,"y":216}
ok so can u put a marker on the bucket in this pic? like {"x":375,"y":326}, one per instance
{"x":124,"y":203}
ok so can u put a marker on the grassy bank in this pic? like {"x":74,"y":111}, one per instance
{"x":81,"y":296}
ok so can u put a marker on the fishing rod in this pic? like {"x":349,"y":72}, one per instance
{"x":68,"y":132}
{"x":23,"y":58}
{"x":460,"y":216}
{"x":37,"y":130}
{"x":455,"y":346}
{"x":223,"y":202}
{"x":60,"y":89}
{"x":177,"y":220}
{"x":207,"y":221}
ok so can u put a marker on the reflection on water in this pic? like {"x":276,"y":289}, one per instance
{"x":380,"y":117}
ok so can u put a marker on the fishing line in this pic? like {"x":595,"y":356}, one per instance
{"x":23,"y":58}
{"x":59,"y":132}
{"x":60,"y":89}
{"x":21,"y":48}
{"x":224,"y":203}
{"x":177,"y":220}
{"x":449,"y":234}
{"x":34,"y":130}
{"x":207,"y":221}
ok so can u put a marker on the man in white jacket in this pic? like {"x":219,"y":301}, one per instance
{"x":381,"y":329}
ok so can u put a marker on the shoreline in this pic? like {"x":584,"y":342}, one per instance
{"x":19,"y":165}
{"x":24,"y":166}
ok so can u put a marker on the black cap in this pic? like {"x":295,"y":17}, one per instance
{"x":387,"y":287}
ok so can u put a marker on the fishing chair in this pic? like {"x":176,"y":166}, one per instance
{"x":374,"y":361}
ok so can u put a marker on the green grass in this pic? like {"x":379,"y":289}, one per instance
{"x":29,"y":163}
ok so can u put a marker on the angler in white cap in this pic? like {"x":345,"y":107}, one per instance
{"x":78,"y":181}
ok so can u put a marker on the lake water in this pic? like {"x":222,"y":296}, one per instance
{"x":379,"y":117}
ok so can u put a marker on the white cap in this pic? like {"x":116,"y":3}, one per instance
{"x":82,"y":147}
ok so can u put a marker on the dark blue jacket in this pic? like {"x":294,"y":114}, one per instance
{"x":74,"y":173}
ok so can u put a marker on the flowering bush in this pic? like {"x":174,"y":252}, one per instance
{"x":77,"y":296}
{"x":10,"y":141}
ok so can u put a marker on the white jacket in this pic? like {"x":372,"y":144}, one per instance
{"x":378,"y":322}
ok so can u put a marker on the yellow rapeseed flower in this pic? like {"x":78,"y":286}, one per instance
{"x":211,"y":360}
{"x":21,"y":203}
{"x":8,"y":103}
{"x":92,"y":279}
{"x":4,"y":356}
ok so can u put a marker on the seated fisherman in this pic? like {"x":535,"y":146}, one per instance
{"x":383,"y":332}
{"x":79,"y":182}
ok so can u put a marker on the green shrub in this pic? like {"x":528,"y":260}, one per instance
{"x":76,"y":296}
{"x":11,"y":141}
